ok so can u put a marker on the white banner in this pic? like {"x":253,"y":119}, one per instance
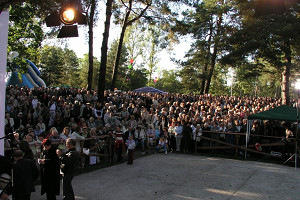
{"x":4,"y":17}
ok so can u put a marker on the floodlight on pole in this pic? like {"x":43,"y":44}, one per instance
{"x":69,"y":14}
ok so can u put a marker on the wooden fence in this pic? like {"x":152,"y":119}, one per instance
{"x":215,"y":144}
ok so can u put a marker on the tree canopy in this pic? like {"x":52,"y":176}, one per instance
{"x":257,"y":39}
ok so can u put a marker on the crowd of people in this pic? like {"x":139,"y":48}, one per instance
{"x":170,"y":122}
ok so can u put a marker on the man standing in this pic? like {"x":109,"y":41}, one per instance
{"x":50,"y":171}
{"x":25,"y":172}
{"x":69,"y":163}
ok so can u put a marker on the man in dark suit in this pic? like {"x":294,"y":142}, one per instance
{"x":25,"y":172}
{"x":70,"y":161}
{"x":50,"y":171}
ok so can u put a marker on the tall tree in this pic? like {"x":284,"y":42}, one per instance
{"x":149,"y":11}
{"x":209,"y":23}
{"x":102,"y":71}
{"x":128,"y":20}
{"x":169,"y":82}
{"x":91,"y":6}
{"x":52,"y":60}
{"x":123,"y":69}
{"x":268,"y":34}
{"x":151,"y":49}
{"x":59,"y":66}
{"x":70,"y":68}
{"x":134,"y":41}
{"x":82,"y":80}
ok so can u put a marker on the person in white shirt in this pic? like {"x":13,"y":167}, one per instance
{"x":34,"y":102}
{"x":52,"y":108}
{"x":79,"y":96}
{"x":178,"y":135}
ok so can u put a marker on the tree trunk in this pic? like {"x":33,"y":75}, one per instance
{"x":214,"y":56}
{"x":203,"y":81}
{"x":91,"y":42}
{"x":125,"y":25}
{"x":101,"y":82}
{"x":285,"y":92}
{"x":211,"y":70}
{"x":151,"y":64}
{"x":208,"y":57}
{"x":117,"y":61}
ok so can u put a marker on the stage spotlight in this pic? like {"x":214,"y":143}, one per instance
{"x":69,"y":14}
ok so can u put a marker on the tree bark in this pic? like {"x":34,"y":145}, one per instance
{"x":117,"y":61}
{"x":126,"y":23}
{"x":203,"y":82}
{"x":91,"y":42}
{"x":151,"y":64}
{"x":285,"y":92}
{"x":101,"y":82}
{"x":214,"y":56}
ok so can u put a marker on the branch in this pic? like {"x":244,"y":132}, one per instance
{"x":124,"y":4}
{"x":139,"y":16}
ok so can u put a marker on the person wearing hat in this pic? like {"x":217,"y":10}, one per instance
{"x":50,"y":171}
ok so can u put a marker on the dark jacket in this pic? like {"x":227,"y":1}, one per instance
{"x":70,"y":161}
{"x":25,"y":173}
{"x":50,"y":172}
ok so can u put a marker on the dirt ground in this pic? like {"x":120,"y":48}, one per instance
{"x":187,"y":177}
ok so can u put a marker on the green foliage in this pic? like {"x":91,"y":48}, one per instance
{"x":267,"y":38}
{"x":191,"y":76}
{"x":134,"y":41}
{"x":83,"y":72}
{"x":136,"y":78}
{"x":71,"y":66}
{"x":59,"y":66}
{"x":169,"y":82}
{"x":219,"y":82}
{"x":151,"y":49}
{"x":51,"y":65}
{"x":25,"y":34}
{"x":209,"y":23}
{"x":123,"y":65}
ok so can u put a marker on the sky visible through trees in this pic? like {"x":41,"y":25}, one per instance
{"x":80,"y":44}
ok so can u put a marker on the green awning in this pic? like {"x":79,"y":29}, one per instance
{"x":281,"y":113}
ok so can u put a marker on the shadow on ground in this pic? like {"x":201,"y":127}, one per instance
{"x":187,"y":177}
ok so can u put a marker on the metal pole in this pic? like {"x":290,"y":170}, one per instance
{"x":296,"y":142}
{"x":4,"y":18}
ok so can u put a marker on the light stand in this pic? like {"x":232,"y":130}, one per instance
{"x":297,"y":130}
{"x":296,"y":140}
